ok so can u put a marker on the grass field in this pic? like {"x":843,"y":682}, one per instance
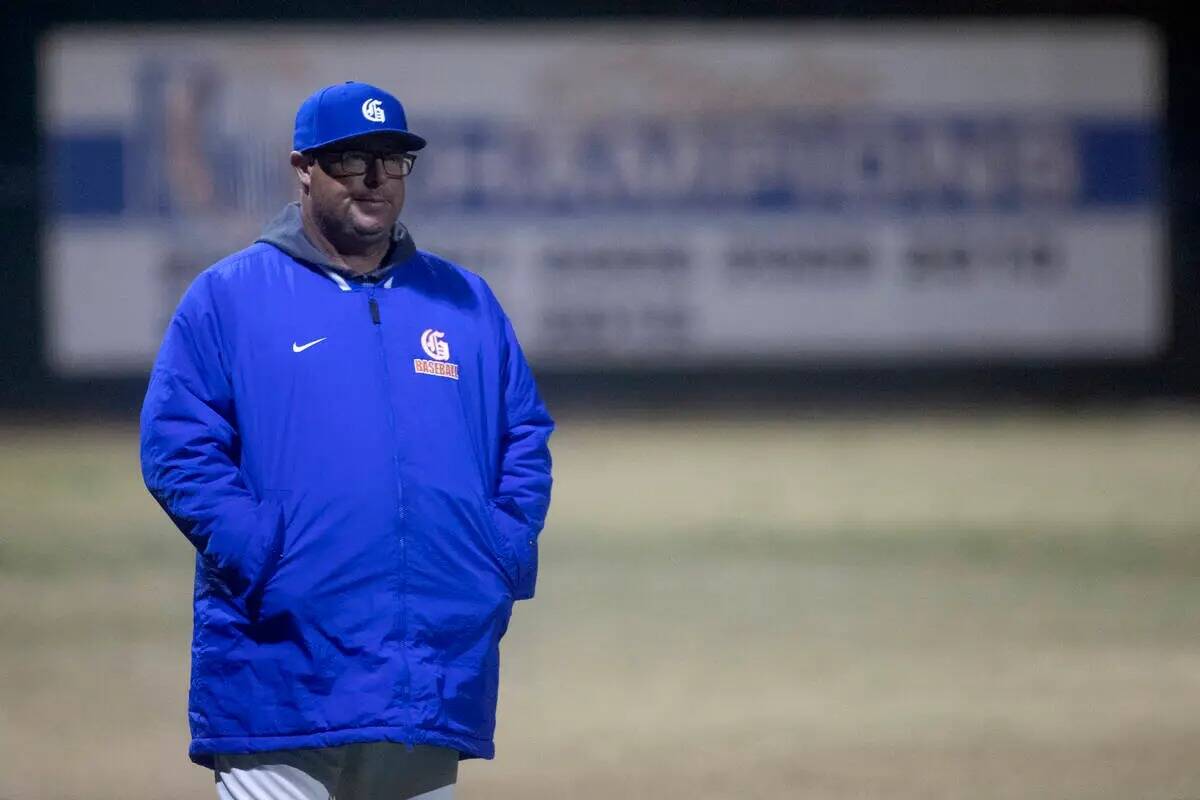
{"x":912,"y":607}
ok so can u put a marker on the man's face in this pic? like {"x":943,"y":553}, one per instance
{"x":355,"y":212}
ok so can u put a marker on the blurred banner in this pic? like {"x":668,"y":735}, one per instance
{"x":649,"y":195}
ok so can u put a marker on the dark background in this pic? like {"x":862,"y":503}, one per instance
{"x":26,"y":386}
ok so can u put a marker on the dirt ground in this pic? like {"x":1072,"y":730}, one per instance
{"x":921,"y":606}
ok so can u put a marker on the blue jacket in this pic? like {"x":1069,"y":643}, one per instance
{"x":362,"y":467}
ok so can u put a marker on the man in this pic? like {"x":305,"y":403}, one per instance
{"x":347,"y":431}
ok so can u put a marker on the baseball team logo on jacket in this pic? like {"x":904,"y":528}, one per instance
{"x":435,"y":346}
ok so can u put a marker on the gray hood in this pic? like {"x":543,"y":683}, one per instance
{"x":286,"y":232}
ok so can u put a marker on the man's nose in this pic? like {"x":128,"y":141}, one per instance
{"x":375,"y":175}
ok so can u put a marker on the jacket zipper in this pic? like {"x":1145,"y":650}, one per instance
{"x":373,"y":307}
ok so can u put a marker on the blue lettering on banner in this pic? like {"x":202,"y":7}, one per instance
{"x":87,"y":174}
{"x":896,"y":165}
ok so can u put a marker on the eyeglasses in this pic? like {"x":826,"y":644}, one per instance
{"x":348,"y":163}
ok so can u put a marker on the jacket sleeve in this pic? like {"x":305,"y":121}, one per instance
{"x":522,"y":495}
{"x":189,"y":453}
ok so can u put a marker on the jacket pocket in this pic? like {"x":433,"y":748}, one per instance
{"x":276,"y":499}
{"x":517,"y":548}
{"x":501,"y":548}
{"x":260,"y":534}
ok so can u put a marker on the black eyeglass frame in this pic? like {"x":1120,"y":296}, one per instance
{"x":337,"y":158}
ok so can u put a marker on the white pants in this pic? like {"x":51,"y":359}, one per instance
{"x":372,"y":771}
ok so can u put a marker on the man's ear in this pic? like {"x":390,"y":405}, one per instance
{"x":303,"y":166}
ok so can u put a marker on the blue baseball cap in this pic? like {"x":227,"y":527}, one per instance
{"x":350,"y":109}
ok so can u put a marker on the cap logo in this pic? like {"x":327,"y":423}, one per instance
{"x":372,"y":109}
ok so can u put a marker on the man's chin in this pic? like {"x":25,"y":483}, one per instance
{"x":370,"y":231}
{"x":370,"y":228}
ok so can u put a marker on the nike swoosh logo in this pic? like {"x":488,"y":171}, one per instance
{"x":300,"y":348}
